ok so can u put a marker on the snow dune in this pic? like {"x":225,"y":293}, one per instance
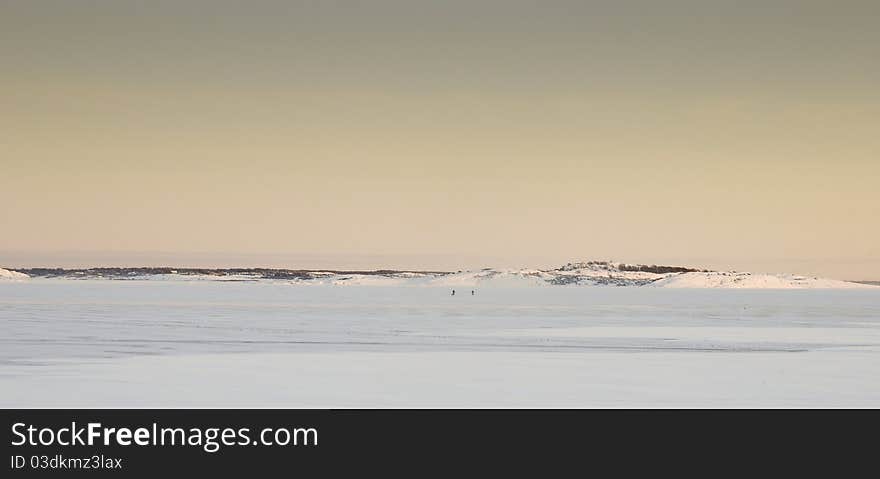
{"x":13,"y":275}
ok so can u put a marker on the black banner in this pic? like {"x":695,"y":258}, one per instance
{"x":419,"y":442}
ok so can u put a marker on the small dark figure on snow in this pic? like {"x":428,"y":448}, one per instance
{"x":453,"y":292}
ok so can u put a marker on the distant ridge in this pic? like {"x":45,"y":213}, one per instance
{"x":142,"y":271}
{"x":590,"y":273}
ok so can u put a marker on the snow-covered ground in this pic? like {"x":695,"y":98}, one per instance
{"x":6,"y":274}
{"x":723,"y":279}
{"x":102,"y":343}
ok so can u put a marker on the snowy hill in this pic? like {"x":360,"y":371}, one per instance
{"x":600,"y":273}
{"x":5,"y":274}
{"x":592,"y":273}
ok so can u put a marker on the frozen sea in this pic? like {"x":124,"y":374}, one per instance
{"x":143,"y":343}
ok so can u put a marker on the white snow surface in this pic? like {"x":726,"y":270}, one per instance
{"x":100,"y":343}
{"x":723,"y":279}
{"x":6,"y":274}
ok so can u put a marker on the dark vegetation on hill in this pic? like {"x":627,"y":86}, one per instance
{"x":652,"y":268}
{"x":659,"y":269}
{"x":256,"y":273}
{"x":245,"y":274}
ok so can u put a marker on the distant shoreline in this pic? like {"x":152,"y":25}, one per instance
{"x":591,"y":273}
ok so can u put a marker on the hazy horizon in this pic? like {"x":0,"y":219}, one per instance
{"x":441,"y":135}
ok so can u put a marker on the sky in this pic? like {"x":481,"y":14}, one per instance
{"x":441,"y":134}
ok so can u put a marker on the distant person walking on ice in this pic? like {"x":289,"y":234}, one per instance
{"x":453,"y":292}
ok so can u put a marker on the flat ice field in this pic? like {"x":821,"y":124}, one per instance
{"x":142,"y":343}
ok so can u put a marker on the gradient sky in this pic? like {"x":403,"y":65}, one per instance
{"x":443,"y":134}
